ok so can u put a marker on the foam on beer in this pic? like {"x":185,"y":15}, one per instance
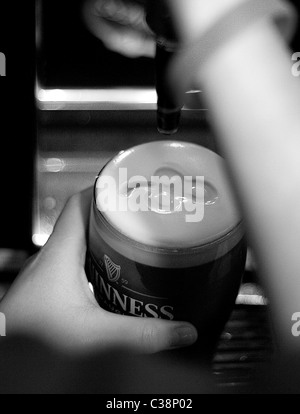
{"x":164,"y":227}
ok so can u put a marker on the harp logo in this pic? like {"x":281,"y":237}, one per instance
{"x":2,"y":325}
{"x":2,"y":64}
{"x":113,"y":270}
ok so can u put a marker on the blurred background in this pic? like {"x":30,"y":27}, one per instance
{"x":95,"y":96}
{"x":84,"y":88}
{"x":81,"y":87}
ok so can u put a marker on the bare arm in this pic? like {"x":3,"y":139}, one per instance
{"x":255,"y":104}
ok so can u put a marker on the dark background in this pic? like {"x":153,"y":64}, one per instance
{"x":70,"y":57}
{"x":17,"y":122}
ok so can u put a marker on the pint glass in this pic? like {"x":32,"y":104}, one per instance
{"x":166,"y":238}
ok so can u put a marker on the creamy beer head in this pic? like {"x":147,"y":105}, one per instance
{"x":171,"y":195}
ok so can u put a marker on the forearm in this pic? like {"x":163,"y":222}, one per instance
{"x":255,"y":104}
{"x":194,"y":17}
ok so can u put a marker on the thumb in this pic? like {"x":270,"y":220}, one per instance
{"x":142,"y":335}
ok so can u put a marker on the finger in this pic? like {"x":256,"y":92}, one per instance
{"x":68,"y":240}
{"x":142,"y":335}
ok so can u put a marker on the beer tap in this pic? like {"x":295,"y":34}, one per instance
{"x":160,"y":22}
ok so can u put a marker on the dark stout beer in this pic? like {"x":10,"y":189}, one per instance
{"x":165,"y":259}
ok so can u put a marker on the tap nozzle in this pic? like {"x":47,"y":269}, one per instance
{"x":160,"y":22}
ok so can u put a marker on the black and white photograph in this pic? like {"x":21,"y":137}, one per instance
{"x":150,"y":199}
